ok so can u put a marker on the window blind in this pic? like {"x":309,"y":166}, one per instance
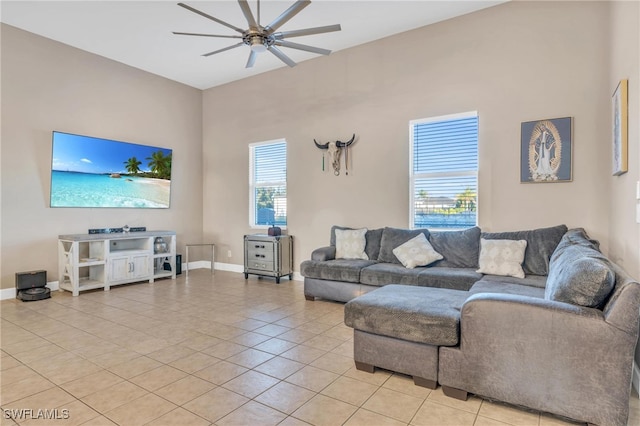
{"x":269,"y":184}
{"x":444,"y":177}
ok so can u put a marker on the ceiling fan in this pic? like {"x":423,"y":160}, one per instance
{"x":260,"y":38}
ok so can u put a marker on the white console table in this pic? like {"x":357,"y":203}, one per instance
{"x":90,"y":261}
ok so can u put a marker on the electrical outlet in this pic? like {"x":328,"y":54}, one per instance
{"x":228,"y":253}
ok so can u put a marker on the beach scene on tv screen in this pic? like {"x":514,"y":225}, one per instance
{"x":93,"y":172}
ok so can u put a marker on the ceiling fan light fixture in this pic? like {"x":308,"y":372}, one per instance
{"x":259,"y":38}
{"x":257,"y":45}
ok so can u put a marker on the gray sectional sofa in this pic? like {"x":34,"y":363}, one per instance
{"x":560,"y":340}
{"x":343,"y":279}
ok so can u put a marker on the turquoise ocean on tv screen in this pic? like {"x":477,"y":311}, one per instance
{"x":74,"y":189}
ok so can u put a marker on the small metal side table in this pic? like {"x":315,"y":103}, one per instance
{"x":270,"y":256}
{"x":213,"y":251}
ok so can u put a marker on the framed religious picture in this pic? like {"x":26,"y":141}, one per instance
{"x":620,"y":128}
{"x":546,"y":150}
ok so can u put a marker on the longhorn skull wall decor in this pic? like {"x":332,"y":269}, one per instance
{"x":334,"y":151}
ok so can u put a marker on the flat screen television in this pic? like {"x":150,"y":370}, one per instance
{"x":94,"y":172}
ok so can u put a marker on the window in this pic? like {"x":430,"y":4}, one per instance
{"x":444,"y":171}
{"x":268,"y":183}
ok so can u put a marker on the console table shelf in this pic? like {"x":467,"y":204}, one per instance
{"x":91,"y":261}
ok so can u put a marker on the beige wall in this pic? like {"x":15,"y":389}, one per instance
{"x":624,"y":63}
{"x":50,"y":86}
{"x":517,"y":62}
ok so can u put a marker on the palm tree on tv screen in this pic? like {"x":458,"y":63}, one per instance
{"x":160,"y":165}
{"x":133,"y":165}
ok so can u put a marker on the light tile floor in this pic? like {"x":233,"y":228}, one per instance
{"x":210,"y":349}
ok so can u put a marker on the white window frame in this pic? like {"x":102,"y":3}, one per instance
{"x":253,"y":186}
{"x":414,"y":176}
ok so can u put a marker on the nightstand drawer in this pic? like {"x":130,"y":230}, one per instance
{"x":259,"y":245}
{"x":259,"y":254}
{"x":260,"y":265}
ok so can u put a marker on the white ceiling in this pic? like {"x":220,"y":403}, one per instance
{"x":139,"y":33}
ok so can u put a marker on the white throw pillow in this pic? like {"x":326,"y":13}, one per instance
{"x":350,"y":244}
{"x":416,"y":252}
{"x":502,"y":257}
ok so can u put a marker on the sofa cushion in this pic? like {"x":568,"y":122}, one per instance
{"x":416,"y":314}
{"x":381,"y":274}
{"x":502,"y":257}
{"x":539,"y":281}
{"x":459,"y":248}
{"x":416,"y":252}
{"x":350,"y":244}
{"x":580,"y":275}
{"x":488,"y":286}
{"x":394,"y":237}
{"x":540,"y":246}
{"x":451,"y":278}
{"x":338,"y":270}
{"x":372,"y":236}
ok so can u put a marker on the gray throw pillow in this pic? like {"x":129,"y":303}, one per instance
{"x":541,"y":244}
{"x":395,"y":237}
{"x":460,"y":249}
{"x":373,"y":237}
{"x":581,"y":276}
{"x":576,"y":236}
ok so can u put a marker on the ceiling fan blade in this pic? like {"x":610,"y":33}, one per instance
{"x":233,"y":27}
{"x":286,"y":15}
{"x":284,"y":58}
{"x":307,"y":31}
{"x":298,"y":46}
{"x":252,"y":59}
{"x":223,"y":50}
{"x":246,"y":10}
{"x":206,"y":35}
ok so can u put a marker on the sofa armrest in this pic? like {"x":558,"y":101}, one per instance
{"x":324,"y":253}
{"x":534,"y":323}
{"x":515,"y":305}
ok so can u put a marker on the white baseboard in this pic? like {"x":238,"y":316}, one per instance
{"x":10,"y":293}
{"x":200,"y":264}
{"x":635,"y":379}
{"x":231,"y":267}
{"x":7,"y":293}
